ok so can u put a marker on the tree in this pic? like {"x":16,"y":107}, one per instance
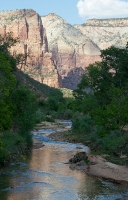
{"x":25,"y":106}
{"x":17,"y":104}
{"x":107,"y":82}
{"x":111,"y":72}
{"x":7,"y":80}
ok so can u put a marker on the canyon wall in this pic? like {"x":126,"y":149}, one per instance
{"x":58,"y":52}
{"x":27,"y":26}
{"x":106,"y":32}
{"x":75,"y":47}
{"x":71,"y":50}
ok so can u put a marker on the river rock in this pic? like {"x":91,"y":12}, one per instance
{"x":79,"y":157}
{"x":72,"y":166}
{"x":79,"y":147}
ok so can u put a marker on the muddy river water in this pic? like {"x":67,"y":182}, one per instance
{"x":44,"y":176}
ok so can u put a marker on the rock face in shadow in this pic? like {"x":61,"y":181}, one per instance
{"x":27,"y":25}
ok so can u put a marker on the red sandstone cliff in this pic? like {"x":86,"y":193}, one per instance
{"x":27,"y":25}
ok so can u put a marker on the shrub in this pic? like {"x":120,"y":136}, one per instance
{"x":25,"y":108}
{"x":64,"y":114}
{"x":39,"y":116}
{"x":3,"y":153}
{"x":82,"y":124}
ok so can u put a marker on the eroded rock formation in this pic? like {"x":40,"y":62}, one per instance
{"x":71,"y":50}
{"x":106,"y":32}
{"x":27,"y":25}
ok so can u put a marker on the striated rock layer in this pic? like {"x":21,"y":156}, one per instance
{"x":106,"y":32}
{"x":59,"y":52}
{"x":27,"y":25}
{"x":71,"y":50}
{"x":75,"y":47}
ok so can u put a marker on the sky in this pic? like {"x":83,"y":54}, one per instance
{"x":73,"y":11}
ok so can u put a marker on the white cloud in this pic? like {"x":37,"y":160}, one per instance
{"x":102,"y":8}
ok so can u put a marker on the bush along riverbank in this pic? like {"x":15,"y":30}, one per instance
{"x":113,"y":147}
{"x":15,"y":137}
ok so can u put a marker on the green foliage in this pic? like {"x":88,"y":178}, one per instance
{"x":3,"y":152}
{"x":66,"y":92}
{"x":49,"y":118}
{"x":13,"y":141}
{"x":101,"y":100}
{"x":52,"y":104}
{"x":113,"y":116}
{"x":7,"y":83}
{"x":112,"y":144}
{"x":25,"y":106}
{"x":82,"y":124}
{"x":43,"y":91}
{"x":111,"y":72}
{"x":64,"y":114}
{"x":5,"y":116}
{"x":102,"y":92}
{"x":12,"y":146}
{"x":39,"y":115}
{"x":6,"y":42}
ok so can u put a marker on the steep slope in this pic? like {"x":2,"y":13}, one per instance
{"x":71,"y":50}
{"x":106,"y":32}
{"x":27,"y":25}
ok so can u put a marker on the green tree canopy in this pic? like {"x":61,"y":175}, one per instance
{"x":106,"y":82}
{"x":102,"y":76}
{"x":7,"y":81}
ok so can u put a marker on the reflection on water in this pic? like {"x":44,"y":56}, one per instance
{"x":44,"y":176}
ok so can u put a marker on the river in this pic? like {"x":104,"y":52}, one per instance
{"x":44,"y":176}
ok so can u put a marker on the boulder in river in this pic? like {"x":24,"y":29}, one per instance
{"x":79,"y":157}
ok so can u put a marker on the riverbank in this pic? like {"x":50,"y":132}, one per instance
{"x":102,"y":169}
{"x":98,"y":166}
{"x":13,"y":147}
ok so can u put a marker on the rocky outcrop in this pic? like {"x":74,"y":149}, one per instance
{"x":106,"y":32}
{"x":71,"y":50}
{"x":27,"y":26}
